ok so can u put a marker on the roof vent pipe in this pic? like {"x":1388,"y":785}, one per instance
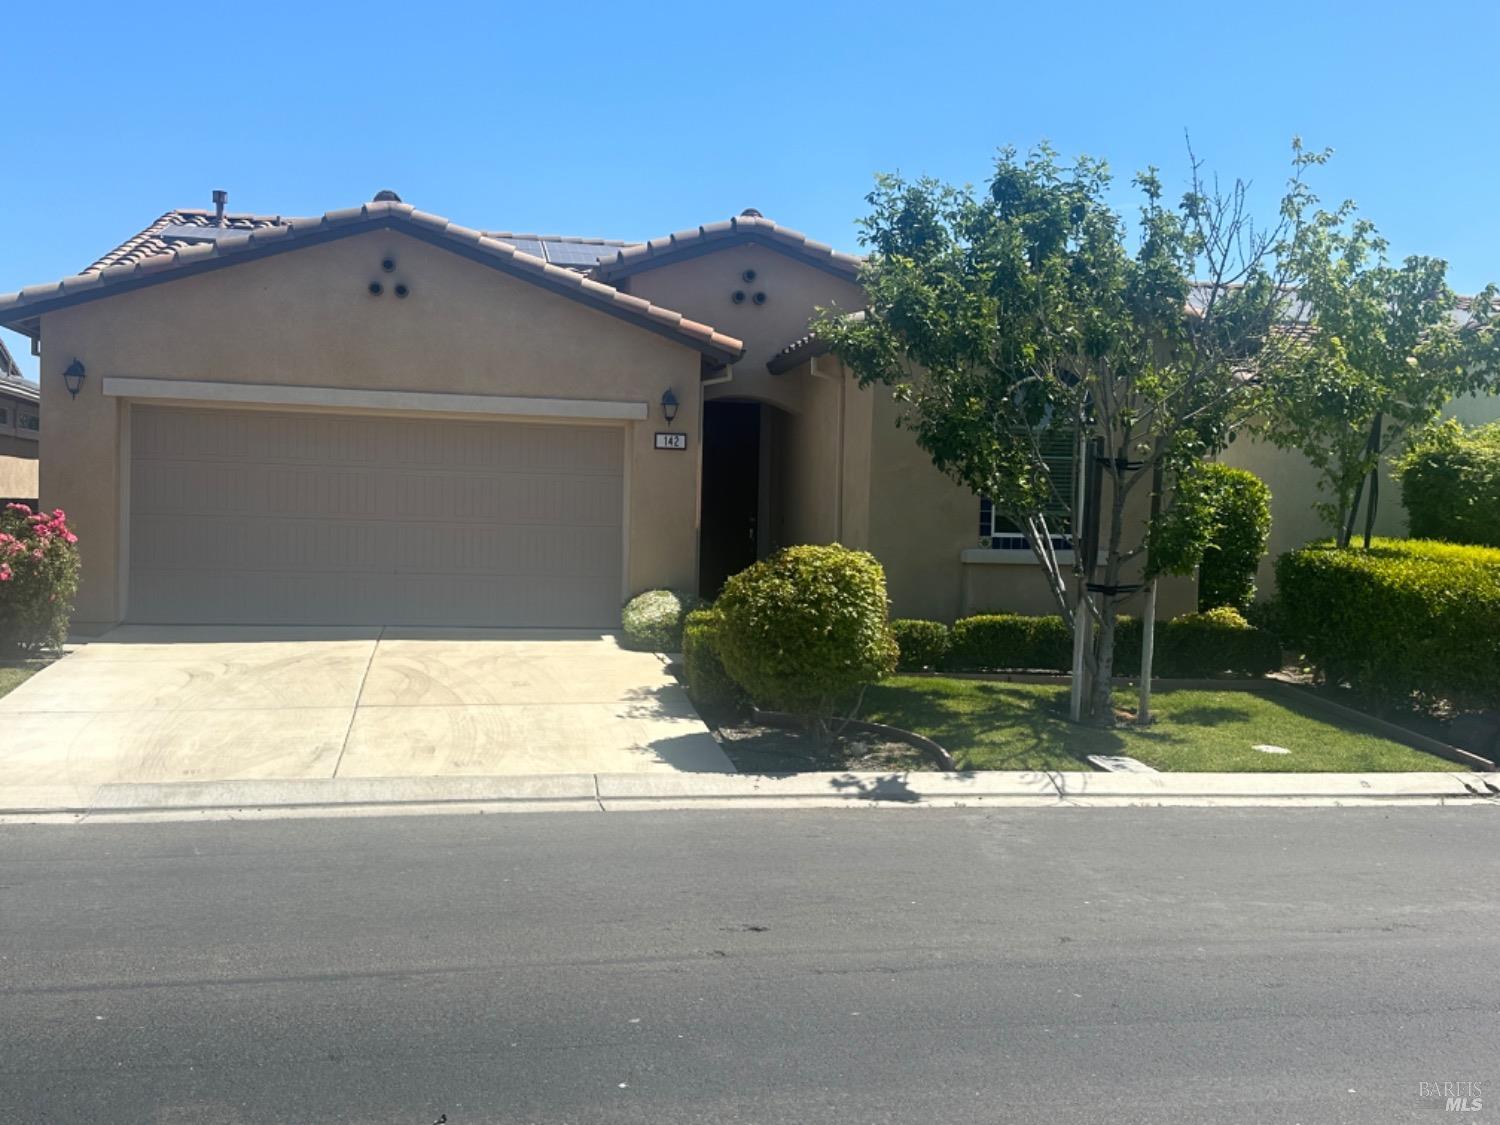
{"x":386,"y":195}
{"x":221,"y":197}
{"x":751,"y":213}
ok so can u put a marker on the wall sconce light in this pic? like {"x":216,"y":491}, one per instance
{"x":668,"y":405}
{"x":73,"y":377}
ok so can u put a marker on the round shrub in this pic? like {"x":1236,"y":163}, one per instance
{"x":1219,"y":521}
{"x":38,"y":577}
{"x":1450,"y":484}
{"x":922,"y":644}
{"x":807,"y":628}
{"x":707,"y":683}
{"x":653,"y":621}
{"x":1406,"y":621}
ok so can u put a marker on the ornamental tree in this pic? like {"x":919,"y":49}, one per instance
{"x":1381,"y":351}
{"x":1027,"y":317}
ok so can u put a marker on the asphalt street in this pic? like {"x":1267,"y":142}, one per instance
{"x":1076,"y":966}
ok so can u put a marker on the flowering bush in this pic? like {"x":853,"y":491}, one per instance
{"x":38,"y":576}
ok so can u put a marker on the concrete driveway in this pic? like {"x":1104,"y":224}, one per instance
{"x":195,"y":703}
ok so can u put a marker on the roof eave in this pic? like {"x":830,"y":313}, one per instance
{"x":24,"y":314}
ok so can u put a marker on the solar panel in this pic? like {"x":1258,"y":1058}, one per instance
{"x":190,"y":232}
{"x":530,"y":246}
{"x":576,"y":253}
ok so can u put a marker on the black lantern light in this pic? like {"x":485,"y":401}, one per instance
{"x":668,"y":405}
{"x":73,"y":377}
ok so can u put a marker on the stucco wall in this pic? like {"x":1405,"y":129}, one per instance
{"x":701,"y":288}
{"x":305,"y":318}
{"x":825,"y":459}
{"x":921,"y":523}
{"x":18,"y":476}
{"x":1294,"y":490}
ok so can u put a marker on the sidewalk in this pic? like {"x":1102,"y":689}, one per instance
{"x":115,"y":802}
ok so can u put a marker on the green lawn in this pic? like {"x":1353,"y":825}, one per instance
{"x":993,"y":725}
{"x":14,"y":675}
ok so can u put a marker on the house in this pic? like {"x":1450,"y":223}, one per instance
{"x":20,"y":432}
{"x":379,"y":416}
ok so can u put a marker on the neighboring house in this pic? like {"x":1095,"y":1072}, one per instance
{"x":20,"y":432}
{"x":379,"y":417}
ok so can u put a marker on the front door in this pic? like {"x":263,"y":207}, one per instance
{"x":731,"y":492}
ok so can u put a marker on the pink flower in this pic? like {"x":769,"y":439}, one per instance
{"x":70,"y":537}
{"x":4,"y":572}
{"x":18,"y":508}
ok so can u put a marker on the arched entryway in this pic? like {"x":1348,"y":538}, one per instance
{"x":740,"y":510}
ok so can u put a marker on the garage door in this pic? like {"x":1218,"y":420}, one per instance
{"x":260,"y":517}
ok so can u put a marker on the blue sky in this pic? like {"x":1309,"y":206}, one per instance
{"x":633,"y":120}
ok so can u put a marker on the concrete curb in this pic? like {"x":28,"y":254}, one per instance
{"x":113,"y":803}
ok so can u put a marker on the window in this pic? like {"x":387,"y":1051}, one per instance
{"x":4,"y":416}
{"x":28,"y":421}
{"x":1059,"y":451}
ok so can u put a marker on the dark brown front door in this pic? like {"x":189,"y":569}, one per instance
{"x":731,"y":475}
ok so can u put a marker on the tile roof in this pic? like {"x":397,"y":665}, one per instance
{"x":177,"y":228}
{"x":803,"y":348}
{"x":9,"y":369}
{"x":153,"y":256}
{"x":740,"y":229}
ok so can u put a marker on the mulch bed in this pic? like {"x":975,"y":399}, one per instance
{"x":754,"y":748}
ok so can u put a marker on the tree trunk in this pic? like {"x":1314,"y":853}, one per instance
{"x":1374,"y":481}
{"x":1148,"y":621}
{"x":1101,"y":697}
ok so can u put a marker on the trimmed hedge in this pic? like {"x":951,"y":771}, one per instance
{"x":923,"y":644}
{"x":1407,"y":621}
{"x":805,"y":629}
{"x":1213,"y":643}
{"x":652,"y":621}
{"x":707,"y":682}
{"x":1450,"y":484}
{"x":1210,"y":643}
{"x":994,"y":642}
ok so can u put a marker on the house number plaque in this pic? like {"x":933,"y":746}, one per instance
{"x":671,"y":441}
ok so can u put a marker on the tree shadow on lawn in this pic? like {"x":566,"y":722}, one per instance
{"x":1004,"y":726}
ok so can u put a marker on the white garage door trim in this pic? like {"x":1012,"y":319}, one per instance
{"x":604,"y":610}
{"x":264,"y":394}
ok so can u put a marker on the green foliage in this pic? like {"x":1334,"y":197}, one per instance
{"x":1220,"y":522}
{"x":1450,"y":484}
{"x":1406,"y":621}
{"x":1213,"y":642}
{"x":1381,"y":355}
{"x":807,"y":628}
{"x":1029,"y":314}
{"x":1197,"y":644}
{"x":653,"y":621}
{"x":38,"y":577}
{"x":707,"y":682}
{"x":922,"y":644}
{"x":1010,"y":642}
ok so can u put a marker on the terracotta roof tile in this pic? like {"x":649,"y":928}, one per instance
{"x":154,"y":253}
{"x":740,"y":229}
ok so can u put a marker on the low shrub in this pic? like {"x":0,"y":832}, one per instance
{"x":922,"y":644}
{"x":1213,"y":643}
{"x":1210,"y":643}
{"x":1010,"y":642}
{"x":38,"y":577}
{"x":707,"y":683}
{"x":807,"y":628}
{"x":1406,"y":621}
{"x":1450,"y":484}
{"x":653,"y":621}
